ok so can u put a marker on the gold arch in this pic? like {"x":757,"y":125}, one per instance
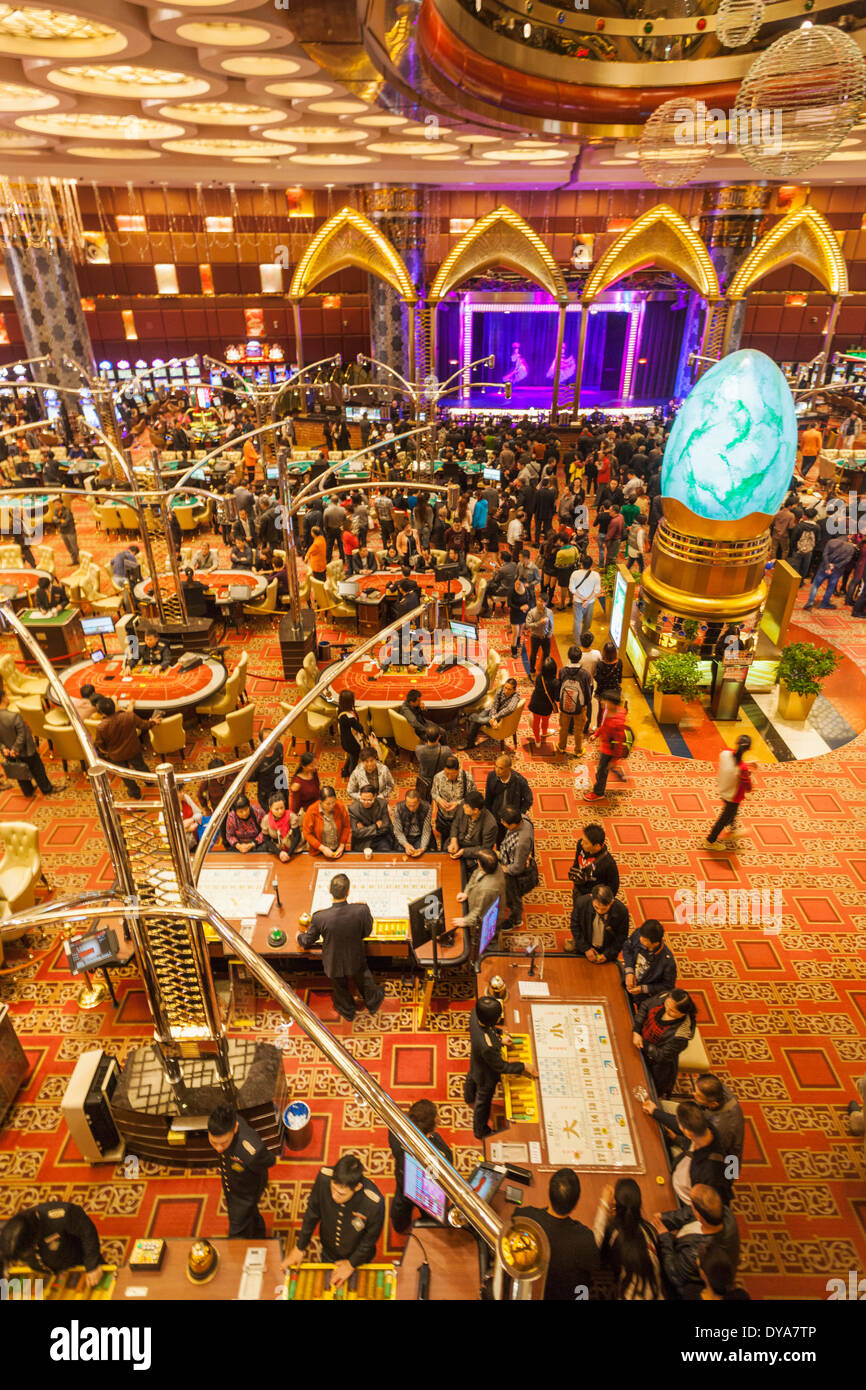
{"x":501,"y":237}
{"x":349,"y":238}
{"x":659,"y":237}
{"x":804,"y":238}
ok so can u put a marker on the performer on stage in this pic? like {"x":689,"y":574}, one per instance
{"x":568,"y":369}
{"x":519,"y":370}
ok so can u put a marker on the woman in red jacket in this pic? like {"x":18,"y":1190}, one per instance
{"x":326,"y":827}
{"x":733,"y":780}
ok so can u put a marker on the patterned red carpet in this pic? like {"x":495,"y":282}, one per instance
{"x":783,"y":1013}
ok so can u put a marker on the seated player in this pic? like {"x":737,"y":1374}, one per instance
{"x":663,"y":1028}
{"x":504,"y":702}
{"x":413,"y":825}
{"x":423,"y":1116}
{"x":50,"y":595}
{"x":244,"y":831}
{"x":363,"y":561}
{"x":326,"y":828}
{"x":370,"y":773}
{"x":198,"y":598}
{"x":280,"y":837}
{"x":648,"y":965}
{"x":148,"y":650}
{"x":205,"y":558}
{"x":349,"y":1212}
{"x":371,"y":823}
{"x":473,"y":829}
{"x":413,"y":712}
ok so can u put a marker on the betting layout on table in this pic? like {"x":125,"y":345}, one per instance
{"x":387,"y":891}
{"x":235,"y":893}
{"x":586,"y":1115}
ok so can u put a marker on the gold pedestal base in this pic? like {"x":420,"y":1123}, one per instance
{"x":93,"y":993}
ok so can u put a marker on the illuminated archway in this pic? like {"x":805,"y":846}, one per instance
{"x":351,"y":239}
{"x":659,"y":237}
{"x":502,"y":237}
{"x":804,"y":238}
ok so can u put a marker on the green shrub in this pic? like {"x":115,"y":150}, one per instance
{"x":677,"y":673}
{"x":804,"y":667}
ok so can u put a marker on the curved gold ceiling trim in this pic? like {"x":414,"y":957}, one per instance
{"x":503,"y":238}
{"x":802,"y":237}
{"x":659,"y":237}
{"x":350,"y":239}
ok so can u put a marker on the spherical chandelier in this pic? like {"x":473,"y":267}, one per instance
{"x":799,"y":100}
{"x":738,"y":21}
{"x":673,"y":146}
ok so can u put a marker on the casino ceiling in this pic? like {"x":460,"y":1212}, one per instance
{"x":328,"y":92}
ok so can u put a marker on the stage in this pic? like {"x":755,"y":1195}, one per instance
{"x":537,"y":400}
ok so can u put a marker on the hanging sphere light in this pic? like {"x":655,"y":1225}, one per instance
{"x":738,"y":21}
{"x":799,"y":100}
{"x":673,"y":147}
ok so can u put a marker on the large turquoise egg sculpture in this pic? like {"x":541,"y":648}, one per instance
{"x":733,"y":445}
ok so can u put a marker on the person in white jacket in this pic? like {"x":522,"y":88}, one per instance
{"x":370,"y":773}
{"x":733,"y":780}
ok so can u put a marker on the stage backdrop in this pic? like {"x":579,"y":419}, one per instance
{"x":621,"y":333}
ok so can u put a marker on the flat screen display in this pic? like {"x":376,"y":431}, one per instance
{"x":423,"y":1191}
{"x":489,"y":923}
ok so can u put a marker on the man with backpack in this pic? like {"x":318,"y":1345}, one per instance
{"x":575,"y":702}
{"x":803,"y":538}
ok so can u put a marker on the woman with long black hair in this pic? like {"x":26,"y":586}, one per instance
{"x":733,"y":780}
{"x":627,"y":1243}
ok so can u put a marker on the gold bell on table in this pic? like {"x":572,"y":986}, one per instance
{"x":304,"y":920}
{"x":202,"y":1262}
{"x":497,"y":988}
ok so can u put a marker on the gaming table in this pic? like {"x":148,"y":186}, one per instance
{"x":170,"y":1281}
{"x":218,"y":581}
{"x":60,"y":635}
{"x":444,"y":692}
{"x":24,"y":582}
{"x":608,"y":1058}
{"x":148,"y":687}
{"x":296,"y":885}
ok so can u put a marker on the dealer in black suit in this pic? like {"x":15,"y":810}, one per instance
{"x":599,"y":926}
{"x":342,"y":929}
{"x":244,"y":1164}
{"x":486,"y":1062}
{"x":349,"y":1212}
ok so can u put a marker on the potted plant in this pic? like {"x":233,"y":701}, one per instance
{"x":803,"y":668}
{"x":675,"y":680}
{"x":608,"y":584}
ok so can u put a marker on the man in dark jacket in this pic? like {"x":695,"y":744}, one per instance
{"x":599,"y":926}
{"x":723,"y":1111}
{"x":371,"y":822}
{"x":486,"y":1063}
{"x":574,"y":1257}
{"x":20,"y":750}
{"x":648,"y":964}
{"x":685,"y":1233}
{"x":343,"y":928}
{"x":593,"y":864}
{"x":505,"y":787}
{"x":703,"y":1158}
{"x":349,"y":1211}
{"x":473,"y":829}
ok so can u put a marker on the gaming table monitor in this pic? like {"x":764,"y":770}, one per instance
{"x":426,"y":917}
{"x":423,"y":1191}
{"x":489,"y":924}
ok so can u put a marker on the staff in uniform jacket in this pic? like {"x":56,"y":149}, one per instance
{"x":50,"y":595}
{"x":244,"y":1164}
{"x":599,"y":926}
{"x":52,"y":1237}
{"x":486,"y":1062}
{"x":150,"y":652}
{"x":343,"y":929}
{"x":349,"y":1212}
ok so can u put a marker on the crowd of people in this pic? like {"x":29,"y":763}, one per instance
{"x":547,"y":534}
